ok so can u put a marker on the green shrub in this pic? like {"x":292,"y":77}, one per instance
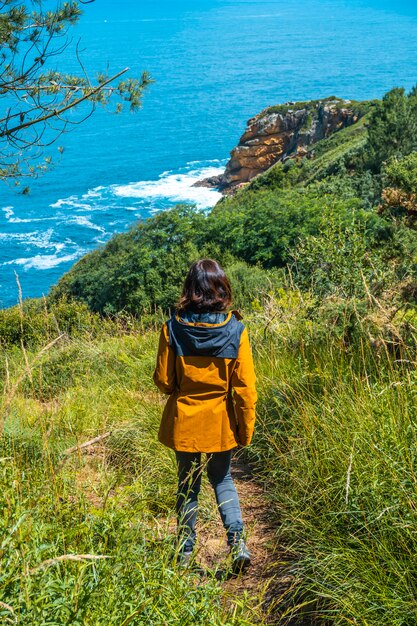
{"x":138,"y":271}
{"x":402,"y":173}
{"x":340,"y":260}
{"x":251,"y":285}
{"x":399,"y":196}
{"x":37,"y":322}
{"x":392,"y":128}
{"x":264,"y":227}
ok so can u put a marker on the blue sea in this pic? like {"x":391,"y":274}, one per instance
{"x":215,"y":64}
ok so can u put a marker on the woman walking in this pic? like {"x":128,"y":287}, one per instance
{"x":205,"y":366}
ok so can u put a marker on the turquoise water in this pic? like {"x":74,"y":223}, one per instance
{"x":216,"y":63}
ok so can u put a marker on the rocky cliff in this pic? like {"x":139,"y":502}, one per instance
{"x":282,"y":131}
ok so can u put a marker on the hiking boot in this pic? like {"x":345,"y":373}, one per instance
{"x":186,"y":561}
{"x":241,"y":557}
{"x":184,"y":558}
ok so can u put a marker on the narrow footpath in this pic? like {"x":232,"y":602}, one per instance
{"x":264,"y":580}
{"x":264,"y":584}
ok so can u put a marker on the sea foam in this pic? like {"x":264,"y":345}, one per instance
{"x":44,"y":261}
{"x":174,"y":187}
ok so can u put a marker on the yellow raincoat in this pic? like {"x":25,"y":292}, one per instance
{"x":207,"y":371}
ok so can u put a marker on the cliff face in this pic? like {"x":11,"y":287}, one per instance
{"x":280,"y":131}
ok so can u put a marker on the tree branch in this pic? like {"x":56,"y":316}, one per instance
{"x":87,"y":444}
{"x":58,"y":112}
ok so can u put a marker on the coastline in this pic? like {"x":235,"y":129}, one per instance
{"x":40,"y":249}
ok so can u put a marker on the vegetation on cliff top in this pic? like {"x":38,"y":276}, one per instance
{"x":340,"y":182}
{"x":360,"y":107}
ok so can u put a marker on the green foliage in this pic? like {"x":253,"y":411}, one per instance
{"x":402,"y":173}
{"x":335,"y":446}
{"x":392,"y":129}
{"x":343,"y":259}
{"x":140,"y":270}
{"x":311,"y":105}
{"x":37,"y":322}
{"x":145,"y":268}
{"x":265,"y":226}
{"x":276,"y":177}
{"x":399,"y":196}
{"x":282,"y":109}
{"x":252,"y":285}
{"x":362,"y":185}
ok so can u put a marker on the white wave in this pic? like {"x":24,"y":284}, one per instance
{"x":174,"y":187}
{"x":93,"y":193}
{"x":170,"y":186}
{"x":36,"y":239}
{"x":21,"y":220}
{"x":218,"y":161}
{"x":43,"y":261}
{"x":83,"y":220}
{"x":27,"y":220}
{"x":9,"y":211}
{"x":62,"y":202}
{"x":72,"y":202}
{"x":18,"y":236}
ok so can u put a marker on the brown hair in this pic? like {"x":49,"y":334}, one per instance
{"x":206,"y":288}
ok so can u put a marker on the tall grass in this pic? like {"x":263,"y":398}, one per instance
{"x":336,"y":447}
{"x":86,"y":532}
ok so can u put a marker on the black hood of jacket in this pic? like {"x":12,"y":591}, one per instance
{"x":214,"y":340}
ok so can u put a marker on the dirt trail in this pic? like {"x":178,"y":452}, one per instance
{"x":264,"y":579}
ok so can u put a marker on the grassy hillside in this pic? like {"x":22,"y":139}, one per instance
{"x":322,"y":256}
{"x":336,"y":449}
{"x":333,"y":447}
{"x":87,"y":534}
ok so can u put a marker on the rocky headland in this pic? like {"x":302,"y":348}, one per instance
{"x":279,"y":132}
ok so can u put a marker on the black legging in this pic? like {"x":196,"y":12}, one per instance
{"x":189,"y":482}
